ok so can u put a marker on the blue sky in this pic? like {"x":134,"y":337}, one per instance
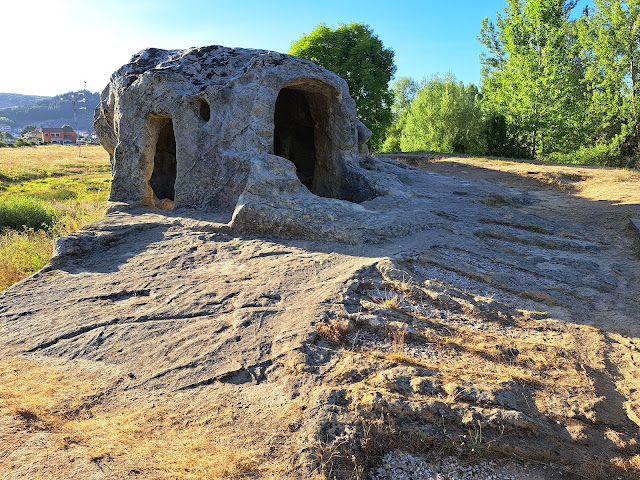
{"x":428,"y":36}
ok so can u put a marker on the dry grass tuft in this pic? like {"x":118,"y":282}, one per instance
{"x":333,"y":330}
{"x":163,"y":441}
{"x":396,"y":339}
{"x":31,"y":390}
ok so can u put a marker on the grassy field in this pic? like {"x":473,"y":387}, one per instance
{"x":46,"y":192}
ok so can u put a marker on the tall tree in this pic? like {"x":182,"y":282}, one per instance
{"x":404,"y":90}
{"x":531,"y":74}
{"x":610,"y":35}
{"x":354,"y":53}
{"x":445,"y":116}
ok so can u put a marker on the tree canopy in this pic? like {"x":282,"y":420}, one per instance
{"x":531,"y":74}
{"x":610,"y":40}
{"x":562,"y":88}
{"x":445,"y":116}
{"x":555,"y":86}
{"x":404,"y":90}
{"x":354,"y":53}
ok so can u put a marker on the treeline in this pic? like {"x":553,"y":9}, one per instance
{"x":552,"y":88}
{"x":57,"y":110}
{"x":18,"y":99}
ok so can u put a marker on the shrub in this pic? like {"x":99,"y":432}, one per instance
{"x":29,"y":212}
{"x":620,"y":152}
{"x":445,"y":116}
{"x":21,"y":254}
{"x":501,"y":141}
{"x":593,"y":155}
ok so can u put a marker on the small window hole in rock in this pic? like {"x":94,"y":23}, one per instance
{"x":205,"y":110}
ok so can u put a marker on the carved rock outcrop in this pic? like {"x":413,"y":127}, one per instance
{"x":271,"y":138}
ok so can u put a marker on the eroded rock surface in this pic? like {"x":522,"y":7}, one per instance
{"x":271,"y":138}
{"x":500,"y":325}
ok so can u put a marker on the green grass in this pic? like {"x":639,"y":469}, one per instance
{"x":495,"y":200}
{"x":537,"y":229}
{"x":46,"y":192}
{"x":27,"y":212}
{"x":22,"y":253}
{"x":636,"y":248}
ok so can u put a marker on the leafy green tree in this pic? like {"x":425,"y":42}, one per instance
{"x":29,"y":128}
{"x":445,"y":117}
{"x":532,"y":74}
{"x":67,"y":128}
{"x":404,"y":90}
{"x":354,"y":53}
{"x":610,"y":35}
{"x":6,"y":121}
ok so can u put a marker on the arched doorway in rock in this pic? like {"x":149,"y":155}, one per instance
{"x":311,"y":128}
{"x":163,"y":178}
{"x":294,"y":133}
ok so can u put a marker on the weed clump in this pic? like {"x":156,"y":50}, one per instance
{"x":26,"y":212}
{"x":333,"y":330}
{"x":22,"y":253}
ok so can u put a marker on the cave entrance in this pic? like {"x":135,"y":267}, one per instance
{"x":294,"y":133}
{"x":163,"y":178}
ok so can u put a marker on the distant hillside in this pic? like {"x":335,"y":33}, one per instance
{"x":18,"y":100}
{"x":56,"y":111}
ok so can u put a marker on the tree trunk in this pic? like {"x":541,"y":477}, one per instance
{"x":638,"y":137}
{"x":634,"y":73}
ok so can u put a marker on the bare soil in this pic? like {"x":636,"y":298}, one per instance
{"x":165,"y":345}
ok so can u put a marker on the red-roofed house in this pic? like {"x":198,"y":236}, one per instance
{"x":57,"y":135}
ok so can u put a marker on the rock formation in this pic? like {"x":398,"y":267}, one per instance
{"x":270,"y":137}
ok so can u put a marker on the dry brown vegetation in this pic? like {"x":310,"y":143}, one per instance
{"x":22,"y":164}
{"x":551,"y":369}
{"x":593,"y":183}
{"x":65,"y":407}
